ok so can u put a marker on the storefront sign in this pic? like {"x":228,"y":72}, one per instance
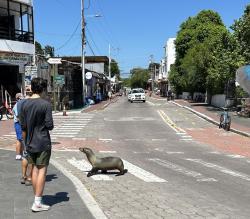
{"x":16,"y":59}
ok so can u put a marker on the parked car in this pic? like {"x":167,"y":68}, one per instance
{"x":137,"y":94}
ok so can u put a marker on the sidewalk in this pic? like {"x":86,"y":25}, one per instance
{"x":67,"y":197}
{"x":16,"y":199}
{"x":239,"y":125}
{"x":98,"y":106}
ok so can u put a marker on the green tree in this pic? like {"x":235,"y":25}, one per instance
{"x":49,"y":50}
{"x":38,"y":48}
{"x":204,"y":54}
{"x":139,"y":77}
{"x":241,"y":28}
{"x":114,"y":69}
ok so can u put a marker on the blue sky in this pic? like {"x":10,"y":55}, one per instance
{"x":135,"y":29}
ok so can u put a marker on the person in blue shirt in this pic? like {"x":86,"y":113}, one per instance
{"x":20,"y":147}
{"x":18,"y":129}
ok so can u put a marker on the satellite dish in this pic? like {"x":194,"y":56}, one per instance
{"x":243,"y":77}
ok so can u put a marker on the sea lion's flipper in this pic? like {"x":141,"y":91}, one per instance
{"x":92,"y":172}
{"x":122,"y":172}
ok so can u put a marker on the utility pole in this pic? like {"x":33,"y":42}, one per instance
{"x":109,"y":63}
{"x":83,"y":52}
{"x":152,"y":72}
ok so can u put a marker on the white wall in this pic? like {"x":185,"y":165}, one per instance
{"x":28,"y":2}
{"x":170,"y":52}
{"x":17,"y":47}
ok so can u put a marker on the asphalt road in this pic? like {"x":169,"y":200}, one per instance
{"x":171,"y":174}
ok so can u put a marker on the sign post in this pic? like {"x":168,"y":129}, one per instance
{"x":54,"y":62}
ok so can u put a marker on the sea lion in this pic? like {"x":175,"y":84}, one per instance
{"x":103,"y":164}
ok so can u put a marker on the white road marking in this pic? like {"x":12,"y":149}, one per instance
{"x":159,"y":139}
{"x":174,"y":152}
{"x":108,"y":152}
{"x":235,"y":156}
{"x":181,"y":133}
{"x":132,"y":139}
{"x":142,"y":174}
{"x":186,"y":139}
{"x":221,"y":169}
{"x":83,"y":165}
{"x":183,"y":170}
{"x":139,"y":152}
{"x":150,"y":103}
{"x":83,"y":139}
{"x":63,"y":135}
{"x":159,"y":149}
{"x":82,"y":191}
{"x":9,"y":135}
{"x":186,"y":136}
{"x":105,"y":139}
{"x":214,"y":152}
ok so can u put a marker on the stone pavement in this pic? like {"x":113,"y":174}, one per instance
{"x":16,"y":199}
{"x":66,"y":195}
{"x":239,"y":125}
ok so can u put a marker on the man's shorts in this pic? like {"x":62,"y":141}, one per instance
{"x":39,"y":158}
{"x":18,"y":130}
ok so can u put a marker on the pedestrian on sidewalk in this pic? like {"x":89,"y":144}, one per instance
{"x":18,"y":129}
{"x":110,"y":95}
{"x":36,"y":121}
{"x":26,"y":168}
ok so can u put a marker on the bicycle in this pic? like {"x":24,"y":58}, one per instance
{"x":225,"y":120}
{"x":5,"y":109}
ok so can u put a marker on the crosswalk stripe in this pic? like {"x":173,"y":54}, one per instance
{"x":221,"y":169}
{"x":198,"y":176}
{"x":235,"y":156}
{"x":141,"y":173}
{"x":85,"y":166}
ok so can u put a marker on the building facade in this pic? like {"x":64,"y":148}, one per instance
{"x":17,"y":47}
{"x":166,"y":62}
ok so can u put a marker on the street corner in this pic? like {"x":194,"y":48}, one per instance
{"x":220,"y":139}
{"x":75,"y":143}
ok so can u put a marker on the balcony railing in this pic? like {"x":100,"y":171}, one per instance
{"x":16,"y":35}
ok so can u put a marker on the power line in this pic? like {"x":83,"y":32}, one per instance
{"x":92,"y":39}
{"x":69,"y":37}
{"x":90,"y":47}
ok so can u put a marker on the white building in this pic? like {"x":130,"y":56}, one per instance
{"x":16,"y":43}
{"x":166,"y":62}
{"x":169,"y":54}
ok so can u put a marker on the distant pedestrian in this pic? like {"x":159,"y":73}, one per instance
{"x":110,"y":95}
{"x":18,"y":129}
{"x":36,"y":121}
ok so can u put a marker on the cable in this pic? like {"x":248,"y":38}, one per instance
{"x":92,"y":39}
{"x":90,"y":47}
{"x":88,"y":5}
{"x":69,"y":37}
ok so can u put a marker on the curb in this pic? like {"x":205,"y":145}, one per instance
{"x":210,"y":119}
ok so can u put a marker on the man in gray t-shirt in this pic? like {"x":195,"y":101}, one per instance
{"x":36,"y":121}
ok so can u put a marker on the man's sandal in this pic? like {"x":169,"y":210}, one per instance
{"x":28,"y":182}
{"x":23,"y":180}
